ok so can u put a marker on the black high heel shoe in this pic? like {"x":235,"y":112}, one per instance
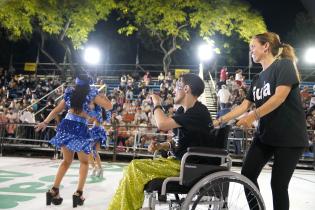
{"x":77,"y":199}
{"x":52,"y":196}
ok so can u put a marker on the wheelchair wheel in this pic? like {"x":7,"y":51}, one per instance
{"x":224,"y":190}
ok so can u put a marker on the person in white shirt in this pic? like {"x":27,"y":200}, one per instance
{"x":224,"y":96}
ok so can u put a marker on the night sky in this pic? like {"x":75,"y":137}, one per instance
{"x":279,"y":16}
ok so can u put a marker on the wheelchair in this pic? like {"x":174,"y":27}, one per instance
{"x":207,"y":184}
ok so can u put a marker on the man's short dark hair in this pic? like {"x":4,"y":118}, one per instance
{"x":194,"y":82}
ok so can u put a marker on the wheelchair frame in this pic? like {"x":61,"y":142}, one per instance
{"x":219,"y":177}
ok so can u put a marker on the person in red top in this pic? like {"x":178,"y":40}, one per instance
{"x":223,"y":74}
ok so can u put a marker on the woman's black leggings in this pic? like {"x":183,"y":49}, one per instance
{"x":284,"y":163}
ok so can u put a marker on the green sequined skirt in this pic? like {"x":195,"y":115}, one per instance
{"x":130,"y":192}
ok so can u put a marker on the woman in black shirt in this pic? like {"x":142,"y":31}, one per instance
{"x":281,"y":132}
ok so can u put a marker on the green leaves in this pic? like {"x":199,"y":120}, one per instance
{"x":75,"y":18}
{"x":174,"y":19}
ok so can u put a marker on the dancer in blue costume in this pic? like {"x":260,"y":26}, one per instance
{"x":98,"y":134}
{"x":73,"y":134}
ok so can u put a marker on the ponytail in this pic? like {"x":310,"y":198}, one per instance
{"x":287,"y":51}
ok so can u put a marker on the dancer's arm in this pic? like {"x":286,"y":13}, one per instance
{"x":51,"y":116}
{"x":103,"y":101}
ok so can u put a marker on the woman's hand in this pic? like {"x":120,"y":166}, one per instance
{"x":246,"y":121}
{"x":41,"y":126}
{"x":216,"y":123}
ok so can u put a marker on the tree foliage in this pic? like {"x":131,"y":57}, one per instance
{"x":170,"y":22}
{"x":68,"y":21}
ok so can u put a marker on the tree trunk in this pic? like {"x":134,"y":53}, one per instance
{"x":41,"y":47}
{"x":167,"y":54}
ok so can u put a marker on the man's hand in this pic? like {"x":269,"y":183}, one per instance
{"x":156,"y":99}
{"x":153,"y":146}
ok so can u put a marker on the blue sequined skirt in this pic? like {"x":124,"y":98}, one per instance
{"x":73,"y":133}
{"x":98,"y":134}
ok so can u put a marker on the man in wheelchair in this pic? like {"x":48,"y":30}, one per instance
{"x":191,"y":123}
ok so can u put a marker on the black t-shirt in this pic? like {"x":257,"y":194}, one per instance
{"x":286,"y":125}
{"x":195,"y":128}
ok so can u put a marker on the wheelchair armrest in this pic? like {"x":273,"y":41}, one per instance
{"x":208,"y":150}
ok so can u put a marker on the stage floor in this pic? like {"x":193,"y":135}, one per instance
{"x":24,"y":181}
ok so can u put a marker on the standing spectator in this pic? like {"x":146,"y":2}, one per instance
{"x":223,"y":75}
{"x":239,"y":77}
{"x":123,"y":81}
{"x":147,"y":78}
{"x":3,"y":122}
{"x":305,"y":96}
{"x":312,"y":101}
{"x":224,"y":96}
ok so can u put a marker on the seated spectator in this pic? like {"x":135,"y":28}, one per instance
{"x":123,"y":81}
{"x":161,"y":78}
{"x":148,"y":134}
{"x":129,"y":93}
{"x":129,"y":81}
{"x":140,"y":116}
{"x":169,"y":78}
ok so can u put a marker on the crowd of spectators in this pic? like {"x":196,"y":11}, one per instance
{"x":131,"y":117}
{"x":19,"y":95}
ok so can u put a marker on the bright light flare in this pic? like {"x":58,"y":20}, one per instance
{"x":92,"y":55}
{"x":205,"y":52}
{"x":310,"y":55}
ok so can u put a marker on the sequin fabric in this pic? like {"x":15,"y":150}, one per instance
{"x":73,"y":133}
{"x":98,"y":134}
{"x":90,"y":97}
{"x":130,"y":192}
{"x":96,"y":113}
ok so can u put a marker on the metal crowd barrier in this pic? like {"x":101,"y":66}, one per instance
{"x":121,"y":142}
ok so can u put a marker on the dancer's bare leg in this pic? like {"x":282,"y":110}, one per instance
{"x":84,"y":168}
{"x":91,"y":160}
{"x":98,"y":158}
{"x":64,"y":166}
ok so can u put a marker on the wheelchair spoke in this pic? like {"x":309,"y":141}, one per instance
{"x":224,"y":192}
